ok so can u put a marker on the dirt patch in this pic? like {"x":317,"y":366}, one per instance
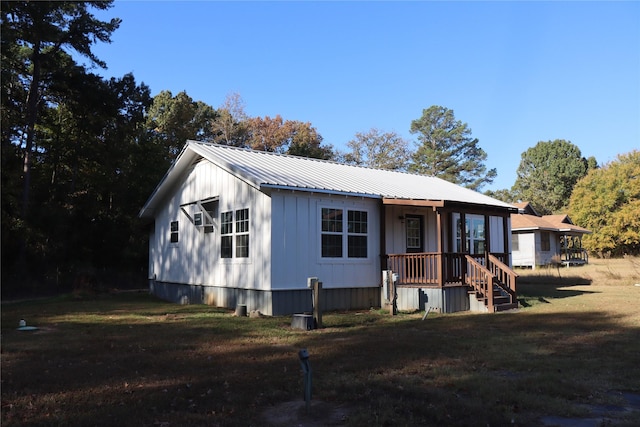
{"x":295,"y":413}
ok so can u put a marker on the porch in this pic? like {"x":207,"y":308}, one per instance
{"x":487,"y":278}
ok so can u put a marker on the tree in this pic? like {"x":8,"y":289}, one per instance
{"x":286,"y":137}
{"x":447,"y":150}
{"x":230,"y":125}
{"x":305,"y":141}
{"x":174,"y":120}
{"x":607,"y":202}
{"x":43,"y":30}
{"x":547,"y":174}
{"x":503,"y":194}
{"x":377,"y":149}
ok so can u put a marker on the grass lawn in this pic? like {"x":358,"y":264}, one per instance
{"x":572,"y":350}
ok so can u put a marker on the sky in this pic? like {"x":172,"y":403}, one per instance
{"x":516,"y":73}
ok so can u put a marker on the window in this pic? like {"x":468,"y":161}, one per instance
{"x":545,"y":241}
{"x":226,"y":233}
{"x":515,"y":242}
{"x":331,"y":233}
{"x":174,"y":232}
{"x":241,"y":235}
{"x":338,"y":231}
{"x":475,"y":234}
{"x":357,"y":234}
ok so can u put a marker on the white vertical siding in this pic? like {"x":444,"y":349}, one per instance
{"x":525,"y":255}
{"x":195,"y":259}
{"x":296,"y":242}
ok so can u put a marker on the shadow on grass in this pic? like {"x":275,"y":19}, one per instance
{"x":545,"y":287}
{"x":137,"y":361}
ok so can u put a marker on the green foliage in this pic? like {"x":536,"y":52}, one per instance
{"x":607,"y":201}
{"x":547,"y":174}
{"x":505,"y":194}
{"x":377,"y":149}
{"x":447,"y":150}
{"x":173,"y":120}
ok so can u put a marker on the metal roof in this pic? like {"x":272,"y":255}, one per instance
{"x":266,"y":171}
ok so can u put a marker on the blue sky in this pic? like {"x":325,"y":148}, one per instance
{"x":515,"y":72}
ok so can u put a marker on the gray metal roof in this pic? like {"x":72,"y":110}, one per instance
{"x":269,"y":170}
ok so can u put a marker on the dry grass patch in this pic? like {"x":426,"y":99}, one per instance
{"x":131,"y":360}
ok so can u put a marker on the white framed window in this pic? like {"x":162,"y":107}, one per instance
{"x":242,"y":233}
{"x":339,"y":231}
{"x":173,"y":238}
{"x":234,"y":231}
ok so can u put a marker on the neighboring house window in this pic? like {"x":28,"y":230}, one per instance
{"x":226,"y":234}
{"x":338,"y":231}
{"x":545,"y":241}
{"x":515,"y":243}
{"x":174,"y":232}
{"x":241,"y":235}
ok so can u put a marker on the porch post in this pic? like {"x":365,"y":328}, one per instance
{"x":440,"y":247}
{"x":487,"y":239}
{"x":383,"y":235}
{"x":463,"y":232}
{"x":463,"y":246}
{"x":507,"y":239}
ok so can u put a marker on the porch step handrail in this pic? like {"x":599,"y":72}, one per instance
{"x":481,"y":280}
{"x":505,"y":276}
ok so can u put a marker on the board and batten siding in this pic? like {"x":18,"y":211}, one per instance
{"x":195,"y":258}
{"x":396,"y":233}
{"x":525,"y":255}
{"x":296,"y":242}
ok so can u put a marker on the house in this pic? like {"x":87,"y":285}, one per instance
{"x":539,"y":240}
{"x":232,"y":226}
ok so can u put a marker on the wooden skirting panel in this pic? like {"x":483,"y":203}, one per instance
{"x":272,"y":303}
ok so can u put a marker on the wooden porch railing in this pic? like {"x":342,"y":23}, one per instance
{"x":480,"y":279}
{"x":422,"y":268}
{"x":578,"y":255}
{"x":485,"y":275}
{"x":505,"y":276}
{"x":435,"y":268}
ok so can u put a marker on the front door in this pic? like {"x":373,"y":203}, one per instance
{"x":414,"y":226}
{"x":414,"y":231}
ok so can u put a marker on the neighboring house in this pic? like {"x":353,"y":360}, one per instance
{"x":539,"y":240}
{"x":234,"y":226}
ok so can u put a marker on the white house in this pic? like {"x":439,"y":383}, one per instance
{"x":539,"y":240}
{"x":234,"y":226}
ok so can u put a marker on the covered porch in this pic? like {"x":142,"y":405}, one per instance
{"x":444,"y":259}
{"x":571,"y":250}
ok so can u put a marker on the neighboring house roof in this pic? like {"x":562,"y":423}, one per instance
{"x":559,"y":222}
{"x":526,"y":208}
{"x":266,"y":171}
